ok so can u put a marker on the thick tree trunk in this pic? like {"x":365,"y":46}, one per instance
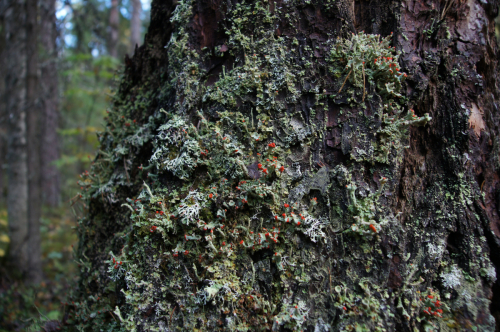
{"x":17,"y":171}
{"x":50,"y":100}
{"x":135,"y":25}
{"x":114,"y":22}
{"x":300,"y":165}
{"x":33,"y":136}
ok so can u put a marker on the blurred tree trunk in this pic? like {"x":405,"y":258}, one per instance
{"x":3,"y":114}
{"x":3,"y":139}
{"x":135,"y":25}
{"x":17,"y":171}
{"x":33,"y":118}
{"x":114,"y":24}
{"x":49,"y":96}
{"x":267,"y":166}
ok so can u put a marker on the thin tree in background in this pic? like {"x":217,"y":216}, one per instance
{"x":33,"y":142}
{"x":17,"y":200}
{"x":114,"y":21}
{"x":3,"y":114}
{"x":49,"y":94}
{"x":135,"y":25}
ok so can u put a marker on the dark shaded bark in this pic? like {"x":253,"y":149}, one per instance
{"x":17,"y":171}
{"x":3,"y":114}
{"x":49,"y":95}
{"x":33,"y":138}
{"x":3,"y":146}
{"x":275,"y":96}
{"x":454,"y":69}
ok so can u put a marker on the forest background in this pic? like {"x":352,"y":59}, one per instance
{"x":63,"y":86}
{"x":81,"y":47}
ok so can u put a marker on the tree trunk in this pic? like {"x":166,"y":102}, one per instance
{"x":33,"y":136}
{"x":17,"y":171}
{"x":3,"y":141}
{"x":50,"y":100}
{"x":135,"y":25}
{"x":3,"y":111}
{"x":114,"y":24}
{"x":300,"y":165}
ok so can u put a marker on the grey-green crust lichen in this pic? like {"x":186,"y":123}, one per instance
{"x":237,"y":221}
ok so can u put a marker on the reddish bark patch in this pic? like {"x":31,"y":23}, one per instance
{"x":205,"y":24}
{"x":395,"y":280}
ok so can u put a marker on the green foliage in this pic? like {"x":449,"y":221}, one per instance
{"x":87,"y":76}
{"x":88,"y":31}
{"x":86,"y":82}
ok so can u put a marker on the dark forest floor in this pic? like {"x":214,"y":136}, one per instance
{"x":28,"y":308}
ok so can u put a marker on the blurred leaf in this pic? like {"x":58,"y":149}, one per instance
{"x":66,"y":160}
{"x":4,"y":238}
{"x":78,"y":131}
{"x":55,"y":255}
{"x":54,"y":315}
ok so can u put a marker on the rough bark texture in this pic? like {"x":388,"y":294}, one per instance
{"x":17,"y":172}
{"x":49,"y":96}
{"x":135,"y":25}
{"x":280,"y":166}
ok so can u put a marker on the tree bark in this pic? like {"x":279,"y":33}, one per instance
{"x":3,"y":111}
{"x":135,"y":25}
{"x":300,"y":165}
{"x":50,"y":99}
{"x":17,"y":171}
{"x":33,"y":116}
{"x":3,"y":144}
{"x":114,"y":24}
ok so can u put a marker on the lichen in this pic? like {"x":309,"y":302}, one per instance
{"x":232,"y":216}
{"x":453,"y":278}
